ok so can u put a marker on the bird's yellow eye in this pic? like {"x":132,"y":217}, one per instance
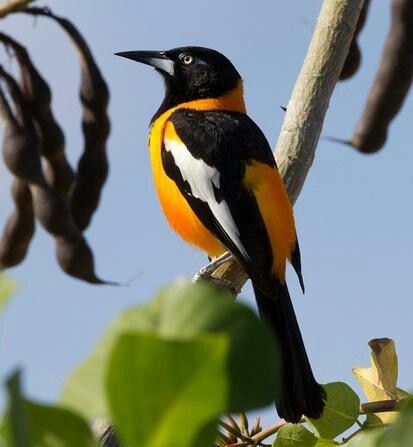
{"x":186,"y":58}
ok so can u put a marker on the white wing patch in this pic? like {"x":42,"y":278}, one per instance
{"x":200,"y":178}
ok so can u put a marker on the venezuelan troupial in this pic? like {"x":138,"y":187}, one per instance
{"x":220,"y":190}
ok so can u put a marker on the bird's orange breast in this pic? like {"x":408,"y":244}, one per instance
{"x":176,"y":209}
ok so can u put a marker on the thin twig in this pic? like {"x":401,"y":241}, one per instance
{"x":230,"y":429}
{"x":243,"y":424}
{"x":266,"y":433}
{"x":381,"y":406}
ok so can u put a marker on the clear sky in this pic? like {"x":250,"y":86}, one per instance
{"x":354,"y":216}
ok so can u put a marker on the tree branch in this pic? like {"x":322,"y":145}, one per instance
{"x":305,"y":112}
{"x":10,"y":6}
{"x":381,"y":406}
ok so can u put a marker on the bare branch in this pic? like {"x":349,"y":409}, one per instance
{"x":307,"y":108}
{"x":381,"y":406}
{"x":10,"y":6}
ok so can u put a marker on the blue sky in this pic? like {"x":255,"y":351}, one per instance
{"x":354,"y":216}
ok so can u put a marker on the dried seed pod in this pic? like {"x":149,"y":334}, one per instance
{"x":352,"y":62}
{"x":73,"y":254}
{"x":19,"y":228}
{"x":19,"y":152}
{"x":392,"y":82}
{"x":94,"y":95}
{"x":36,"y":91}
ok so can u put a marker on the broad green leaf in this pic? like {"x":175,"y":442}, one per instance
{"x":194,"y":309}
{"x":166,"y":392}
{"x":367,"y":438}
{"x":57,"y":427}
{"x":379,"y":381}
{"x":28,"y":424}
{"x":340,"y":412}
{"x":17,"y":428}
{"x":185,"y":310}
{"x":294,"y":435}
{"x":401,"y":433}
{"x":84,"y":391}
{"x":7,"y":286}
{"x":326,"y":443}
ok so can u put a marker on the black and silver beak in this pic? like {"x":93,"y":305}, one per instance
{"x":156,"y":59}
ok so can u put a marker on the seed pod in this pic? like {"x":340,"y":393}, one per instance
{"x":19,"y":149}
{"x":36,"y":91}
{"x":392,"y":82}
{"x":19,"y":228}
{"x":352,"y":62}
{"x":94,"y":95}
{"x":73,"y":254}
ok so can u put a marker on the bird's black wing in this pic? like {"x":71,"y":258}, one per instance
{"x":207,"y":162}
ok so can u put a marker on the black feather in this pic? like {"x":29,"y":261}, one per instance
{"x":302,"y":395}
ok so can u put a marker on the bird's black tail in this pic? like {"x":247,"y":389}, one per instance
{"x":301,"y":394}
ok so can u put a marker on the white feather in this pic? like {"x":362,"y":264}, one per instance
{"x":200,"y":178}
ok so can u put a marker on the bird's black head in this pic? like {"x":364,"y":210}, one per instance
{"x":190,"y":73}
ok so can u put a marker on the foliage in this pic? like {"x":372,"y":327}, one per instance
{"x":187,"y":352}
{"x":165,"y":373}
{"x":27,"y":423}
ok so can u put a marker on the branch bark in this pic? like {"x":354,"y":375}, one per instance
{"x":381,"y":406}
{"x":305,"y":113}
{"x":10,"y":6}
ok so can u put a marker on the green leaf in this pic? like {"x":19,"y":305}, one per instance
{"x":401,"y":433}
{"x":167,"y":392}
{"x":294,"y":435}
{"x":28,"y":423}
{"x":185,"y":310}
{"x":195,"y":309}
{"x":84,"y":391}
{"x":57,"y":427}
{"x":367,"y":438}
{"x":16,"y":429}
{"x":326,"y":443}
{"x":340,"y":412}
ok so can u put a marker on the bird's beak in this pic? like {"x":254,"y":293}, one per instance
{"x":156,"y":59}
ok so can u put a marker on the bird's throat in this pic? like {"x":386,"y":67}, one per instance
{"x":233,"y":101}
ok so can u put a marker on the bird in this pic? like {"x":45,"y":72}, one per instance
{"x":220,"y":190}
